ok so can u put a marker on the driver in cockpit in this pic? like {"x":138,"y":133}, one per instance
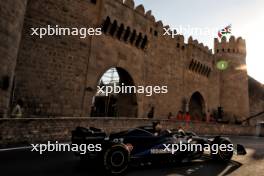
{"x":158,"y":129}
{"x":181,"y":130}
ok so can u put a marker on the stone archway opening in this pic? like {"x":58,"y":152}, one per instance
{"x":115,"y":104}
{"x":197,"y":107}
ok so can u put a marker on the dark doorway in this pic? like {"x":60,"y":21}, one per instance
{"x":115,"y":104}
{"x":197,"y":107}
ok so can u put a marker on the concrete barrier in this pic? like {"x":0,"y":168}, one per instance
{"x":260,"y":129}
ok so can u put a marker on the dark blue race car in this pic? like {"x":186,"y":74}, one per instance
{"x":141,"y":145}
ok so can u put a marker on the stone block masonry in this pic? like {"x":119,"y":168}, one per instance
{"x":58,"y":75}
{"x":40,"y":130}
{"x":11,"y":23}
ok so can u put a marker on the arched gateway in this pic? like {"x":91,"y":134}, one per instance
{"x":197,"y":106}
{"x":115,"y":104}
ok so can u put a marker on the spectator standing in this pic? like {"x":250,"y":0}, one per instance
{"x":17,"y":112}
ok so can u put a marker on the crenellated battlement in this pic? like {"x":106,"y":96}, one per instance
{"x":158,"y":26}
{"x":234,"y":45}
{"x":150,"y":16}
{"x":126,"y":12}
{"x":201,"y":46}
{"x":140,"y":9}
{"x":180,"y":39}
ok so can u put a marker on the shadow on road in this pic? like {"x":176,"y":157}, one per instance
{"x":57,"y":164}
{"x":201,"y":167}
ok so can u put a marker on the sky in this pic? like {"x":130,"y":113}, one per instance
{"x":245,"y":16}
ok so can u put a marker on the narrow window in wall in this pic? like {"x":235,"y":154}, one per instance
{"x":205,"y":71}
{"x":113,"y":28}
{"x":106,"y":24}
{"x":133,"y":37}
{"x":156,"y":33}
{"x":93,"y":1}
{"x":139,"y":39}
{"x":127,"y":33}
{"x":120,"y":31}
{"x":144,"y":42}
{"x":191,"y":65}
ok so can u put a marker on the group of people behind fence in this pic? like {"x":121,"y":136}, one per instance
{"x":185,"y":118}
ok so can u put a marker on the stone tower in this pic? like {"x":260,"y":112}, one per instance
{"x":231,"y":61}
{"x":12,"y":17}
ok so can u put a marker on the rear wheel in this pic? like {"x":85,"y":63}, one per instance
{"x":223,"y":155}
{"x":116,"y":159}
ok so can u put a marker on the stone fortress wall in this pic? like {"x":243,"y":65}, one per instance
{"x":58,"y":75}
{"x":11,"y":23}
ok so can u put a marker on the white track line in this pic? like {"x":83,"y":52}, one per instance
{"x":15,"y":148}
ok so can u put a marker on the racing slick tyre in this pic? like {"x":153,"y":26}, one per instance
{"x":116,"y":159}
{"x":224,"y":156}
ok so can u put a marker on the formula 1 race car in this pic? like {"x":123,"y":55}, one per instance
{"x":142,"y":145}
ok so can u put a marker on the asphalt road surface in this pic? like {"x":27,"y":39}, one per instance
{"x":23,"y":162}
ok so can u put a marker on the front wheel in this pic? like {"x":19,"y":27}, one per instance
{"x":116,"y":159}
